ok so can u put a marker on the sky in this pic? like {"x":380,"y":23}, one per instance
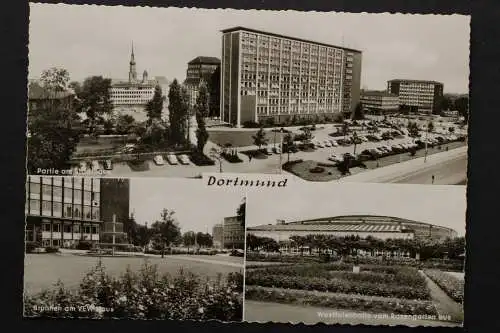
{"x":435,"y":204}
{"x":196,"y":207}
{"x":96,"y":40}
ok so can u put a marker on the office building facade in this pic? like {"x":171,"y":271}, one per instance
{"x":199,"y":70}
{"x":379,"y":102}
{"x":61,"y":211}
{"x":268,"y":77}
{"x":418,"y":95}
{"x":233,"y":233}
{"x":218,"y":235}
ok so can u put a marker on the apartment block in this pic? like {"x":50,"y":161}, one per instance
{"x":266,"y":77}
{"x":418,"y":95}
{"x":233,"y":233}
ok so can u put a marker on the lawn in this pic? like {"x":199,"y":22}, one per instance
{"x":43,"y":270}
{"x":240,"y":138}
{"x":303,"y":170}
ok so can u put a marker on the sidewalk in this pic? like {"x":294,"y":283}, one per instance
{"x":398,"y":170}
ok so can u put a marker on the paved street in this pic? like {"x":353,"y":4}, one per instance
{"x":449,"y":168}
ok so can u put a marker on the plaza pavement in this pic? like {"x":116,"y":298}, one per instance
{"x":269,"y":165}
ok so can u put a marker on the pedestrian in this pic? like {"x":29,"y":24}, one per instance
{"x":432,"y":179}
{"x":377,"y":164}
{"x":249,"y":158}
{"x":446,"y":148}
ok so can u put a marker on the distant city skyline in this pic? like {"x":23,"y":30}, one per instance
{"x":192,"y":202}
{"x":96,"y":40}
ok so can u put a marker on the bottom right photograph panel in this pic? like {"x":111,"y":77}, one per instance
{"x":356,"y":253}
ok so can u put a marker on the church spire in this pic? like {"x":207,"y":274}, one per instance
{"x":132,"y":73}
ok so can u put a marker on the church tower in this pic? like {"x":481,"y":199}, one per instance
{"x":132,"y":74}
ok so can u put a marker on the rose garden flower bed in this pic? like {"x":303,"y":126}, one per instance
{"x":142,"y":295}
{"x":342,"y":301}
{"x":400,"y":282}
{"x":451,"y":285}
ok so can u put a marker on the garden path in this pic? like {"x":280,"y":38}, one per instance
{"x":445,"y":305}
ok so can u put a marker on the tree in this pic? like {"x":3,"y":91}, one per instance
{"x":451,"y":129}
{"x":166,"y":231}
{"x":154,"y":107}
{"x":345,"y":128}
{"x":125,"y":124}
{"x":155,"y":132}
{"x":214,"y":92}
{"x":446,"y":103}
{"x":178,"y":112}
{"x":462,"y":106}
{"x":359,"y":112}
{"x":430,"y":127}
{"x":76,"y":86}
{"x":130,"y":227}
{"x":355,"y":140}
{"x":288,"y":142}
{"x":413,"y":129}
{"x":259,"y":139}
{"x":241,"y":212}
{"x":201,"y":110}
{"x":188,"y":239}
{"x":55,"y":79}
{"x":53,"y":125}
{"x":306,"y":135}
{"x":95,"y":101}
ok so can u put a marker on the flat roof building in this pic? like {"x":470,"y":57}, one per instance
{"x":379,"y":102}
{"x":418,"y":95}
{"x":233,"y":233}
{"x":60,"y":211}
{"x":266,"y":77}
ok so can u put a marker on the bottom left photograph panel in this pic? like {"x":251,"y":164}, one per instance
{"x":133,"y":248}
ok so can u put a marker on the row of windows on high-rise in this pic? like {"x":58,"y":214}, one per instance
{"x":59,"y":209}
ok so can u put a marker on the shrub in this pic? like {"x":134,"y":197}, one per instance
{"x":343,"y":302}
{"x":232,"y":158}
{"x":84,"y":245}
{"x":451,"y":285}
{"x":31,"y":246}
{"x":51,"y":249}
{"x":142,"y":295}
{"x":201,"y":159}
{"x":317,"y":169}
{"x":251,"y":124}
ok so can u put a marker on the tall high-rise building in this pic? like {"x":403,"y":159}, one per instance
{"x":418,"y":95}
{"x":270,"y":77}
{"x":60,"y":211}
{"x":199,"y":70}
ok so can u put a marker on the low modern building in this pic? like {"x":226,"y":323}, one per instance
{"x":233,"y":233}
{"x":218,"y":235}
{"x":60,"y":211}
{"x":418,"y":95}
{"x":266,"y":77}
{"x":381,"y":227}
{"x":129,"y":97}
{"x":379,"y":102}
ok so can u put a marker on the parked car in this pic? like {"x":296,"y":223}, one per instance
{"x":158,"y":159}
{"x":335,"y":158}
{"x":277,"y":150}
{"x":129,"y":148}
{"x":269,"y":150}
{"x":319,"y":144}
{"x":108,"y":165}
{"x":327,"y":143}
{"x":334,"y":143}
{"x":183,"y":159}
{"x":171,"y":158}
{"x":237,"y":253}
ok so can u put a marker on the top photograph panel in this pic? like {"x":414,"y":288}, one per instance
{"x":322,"y":97}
